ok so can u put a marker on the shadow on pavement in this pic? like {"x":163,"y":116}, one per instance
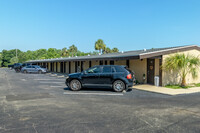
{"x":95,"y":89}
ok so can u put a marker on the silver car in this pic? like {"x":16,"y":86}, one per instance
{"x":33,"y":69}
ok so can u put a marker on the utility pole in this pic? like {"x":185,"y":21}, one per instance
{"x":16,"y":53}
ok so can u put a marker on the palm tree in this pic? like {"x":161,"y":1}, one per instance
{"x":107,"y":50}
{"x":183,"y":64}
{"x":99,"y":45}
{"x":64,"y":52}
{"x":73,"y":49}
{"x":115,"y":50}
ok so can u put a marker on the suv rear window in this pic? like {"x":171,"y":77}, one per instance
{"x":119,"y":69}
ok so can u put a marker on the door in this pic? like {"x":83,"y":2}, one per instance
{"x":150,"y":71}
{"x":112,"y":62}
{"x":100,"y":62}
{"x":61,"y":67}
{"x":91,"y":76}
{"x":32,"y":69}
{"x":28,"y":68}
{"x":64,"y":67}
{"x":105,"y":78}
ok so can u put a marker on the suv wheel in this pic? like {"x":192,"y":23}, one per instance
{"x":75,"y":85}
{"x":40,"y":72}
{"x":118,"y":86}
{"x":25,"y":71}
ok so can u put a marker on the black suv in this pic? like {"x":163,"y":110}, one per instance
{"x":19,"y":66}
{"x":115,"y":76}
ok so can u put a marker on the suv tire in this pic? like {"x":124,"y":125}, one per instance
{"x":119,"y":86}
{"x":40,"y":72}
{"x":75,"y":85}
{"x":25,"y":72}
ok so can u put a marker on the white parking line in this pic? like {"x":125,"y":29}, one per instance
{"x":104,"y":94}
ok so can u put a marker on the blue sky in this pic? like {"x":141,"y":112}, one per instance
{"x":125,"y":24}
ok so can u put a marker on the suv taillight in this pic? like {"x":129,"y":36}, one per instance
{"x":129,"y":76}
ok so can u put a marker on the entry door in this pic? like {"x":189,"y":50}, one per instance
{"x":61,"y":67}
{"x":150,"y":71}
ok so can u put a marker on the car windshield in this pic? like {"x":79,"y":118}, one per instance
{"x":37,"y":67}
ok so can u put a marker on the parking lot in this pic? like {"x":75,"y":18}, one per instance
{"x":41,"y":103}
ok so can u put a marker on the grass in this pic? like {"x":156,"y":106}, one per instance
{"x":197,"y":85}
{"x":180,"y":87}
{"x":177,"y":87}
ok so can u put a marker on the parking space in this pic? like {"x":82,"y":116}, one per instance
{"x":42,"y":103}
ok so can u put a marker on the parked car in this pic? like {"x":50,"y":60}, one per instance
{"x":33,"y":69}
{"x":17,"y":67}
{"x":115,"y":76}
{"x":26,"y":64}
{"x":11,"y":66}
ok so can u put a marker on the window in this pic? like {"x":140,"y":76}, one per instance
{"x":107,"y":69}
{"x":100,"y":62}
{"x":112,"y":62}
{"x":105,"y":62}
{"x":127,"y":63}
{"x":119,"y":69}
{"x":96,"y":69}
{"x":28,"y":67}
{"x":90,"y":63}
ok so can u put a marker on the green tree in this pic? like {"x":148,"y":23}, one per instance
{"x":51,"y":53}
{"x":0,"y":59}
{"x":73,"y":50}
{"x":65,"y":52}
{"x":14,"y":60}
{"x":99,"y":45}
{"x":107,"y":50}
{"x":183,"y":64}
{"x":115,"y":50}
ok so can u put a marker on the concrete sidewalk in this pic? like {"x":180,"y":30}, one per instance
{"x":164,"y":90}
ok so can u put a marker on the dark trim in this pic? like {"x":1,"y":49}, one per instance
{"x":160,"y":72}
{"x":64,"y":67}
{"x":128,"y":63}
{"x":89,"y":59}
{"x":102,"y":85}
{"x":69,"y":67}
{"x":90,"y":64}
{"x":61,"y":67}
{"x":106,"y":62}
{"x":122,"y":57}
{"x":56,"y":67}
{"x":76,"y":65}
{"x":81,"y":66}
{"x":150,"y":77}
{"x":101,"y":62}
{"x":169,"y":51}
{"x":112,"y":62}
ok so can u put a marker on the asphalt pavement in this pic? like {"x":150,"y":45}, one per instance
{"x":41,"y":103}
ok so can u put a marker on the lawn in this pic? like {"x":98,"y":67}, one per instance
{"x":180,"y":87}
